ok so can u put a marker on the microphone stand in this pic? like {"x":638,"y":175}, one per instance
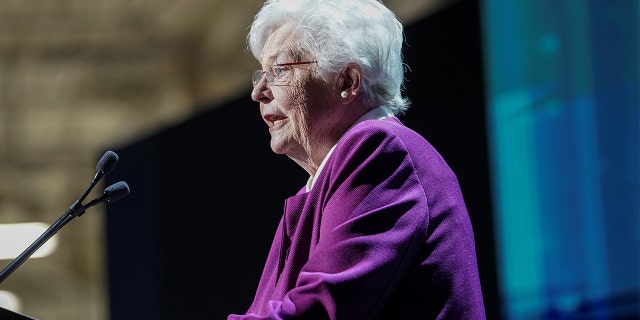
{"x":112,"y":193}
{"x":118,"y":190}
{"x":76,"y":209}
{"x":50,"y":232}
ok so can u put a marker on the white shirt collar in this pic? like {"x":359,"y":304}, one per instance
{"x":378,"y":113}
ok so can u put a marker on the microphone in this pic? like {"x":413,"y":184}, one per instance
{"x":104,"y":167}
{"x":112,"y":193}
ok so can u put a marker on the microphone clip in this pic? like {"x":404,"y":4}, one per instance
{"x":76,"y":209}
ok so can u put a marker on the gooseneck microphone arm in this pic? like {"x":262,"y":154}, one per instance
{"x":112,"y":193}
{"x":17,"y":262}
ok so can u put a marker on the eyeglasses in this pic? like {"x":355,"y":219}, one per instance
{"x":280,"y":74}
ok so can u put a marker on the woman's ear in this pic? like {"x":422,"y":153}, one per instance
{"x":350,"y":78}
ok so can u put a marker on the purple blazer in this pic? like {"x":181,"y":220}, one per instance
{"x":383,"y":234}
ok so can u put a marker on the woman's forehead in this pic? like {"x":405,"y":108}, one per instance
{"x":279,"y":45}
{"x":276,"y":57}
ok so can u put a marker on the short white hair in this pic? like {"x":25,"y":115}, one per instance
{"x":337,"y":32}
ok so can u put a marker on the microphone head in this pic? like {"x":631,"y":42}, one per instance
{"x":107,"y":162}
{"x":116,"y":191}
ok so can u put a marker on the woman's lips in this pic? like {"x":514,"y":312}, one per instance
{"x":274,"y":121}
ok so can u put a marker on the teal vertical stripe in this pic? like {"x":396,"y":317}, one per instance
{"x":520,"y":240}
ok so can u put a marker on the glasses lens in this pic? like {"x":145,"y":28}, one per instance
{"x":282,"y":75}
{"x":256,"y":77}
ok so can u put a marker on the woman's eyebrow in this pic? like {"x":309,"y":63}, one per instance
{"x":270,"y":60}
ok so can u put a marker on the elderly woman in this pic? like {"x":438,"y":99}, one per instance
{"x":380,"y":230}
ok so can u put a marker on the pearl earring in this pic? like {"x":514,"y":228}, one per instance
{"x":344,"y":94}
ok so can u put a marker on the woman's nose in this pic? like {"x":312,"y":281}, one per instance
{"x":261,"y":92}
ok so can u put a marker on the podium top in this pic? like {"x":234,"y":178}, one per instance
{"x":12,"y":315}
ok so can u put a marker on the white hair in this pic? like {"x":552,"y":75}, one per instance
{"x":337,"y":32}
